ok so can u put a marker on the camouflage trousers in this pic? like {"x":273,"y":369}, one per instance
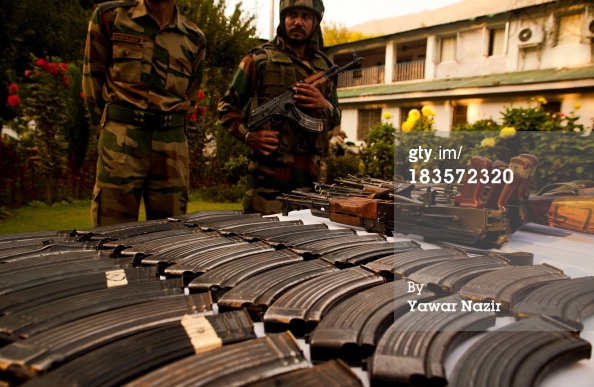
{"x":137,"y":164}
{"x":269,"y":177}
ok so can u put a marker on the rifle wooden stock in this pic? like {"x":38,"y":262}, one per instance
{"x":570,"y":212}
{"x":352,"y":211}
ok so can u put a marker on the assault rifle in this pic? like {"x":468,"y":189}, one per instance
{"x":284,"y":105}
{"x":564,"y":205}
{"x":476,"y":213}
{"x":471,"y":226}
{"x":473,"y":214}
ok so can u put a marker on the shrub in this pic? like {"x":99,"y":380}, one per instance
{"x":562,"y":146}
{"x":378,"y":156}
{"x":44,"y":112}
{"x":342,"y":166}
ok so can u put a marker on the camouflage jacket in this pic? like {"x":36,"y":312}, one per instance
{"x":130,"y":61}
{"x":235,"y":106}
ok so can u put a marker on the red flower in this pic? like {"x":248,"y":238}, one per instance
{"x":53,"y":69}
{"x":13,"y":88}
{"x":200,"y":94}
{"x":63,"y":66}
{"x":14,"y":100}
{"x":42,"y":63}
{"x":82,"y":94}
{"x":28,"y":73}
{"x":203,"y":110}
{"x":193,"y":117}
{"x":66,"y":81}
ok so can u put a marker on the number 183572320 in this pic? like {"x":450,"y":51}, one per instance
{"x":459,"y":176}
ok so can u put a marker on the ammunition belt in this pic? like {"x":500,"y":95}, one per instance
{"x":149,"y":120}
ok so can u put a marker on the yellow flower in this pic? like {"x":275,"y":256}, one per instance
{"x":407,"y":126}
{"x":542,"y":101}
{"x":387,"y":115}
{"x":427,"y":111}
{"x":577,"y":106}
{"x":488,"y":142}
{"x":507,"y":132}
{"x":414,"y":115}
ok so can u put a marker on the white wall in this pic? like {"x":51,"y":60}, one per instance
{"x":349,"y":123}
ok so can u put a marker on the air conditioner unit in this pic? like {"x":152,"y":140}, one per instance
{"x":530,"y":35}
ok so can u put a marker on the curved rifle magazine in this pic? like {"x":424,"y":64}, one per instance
{"x":520,"y":354}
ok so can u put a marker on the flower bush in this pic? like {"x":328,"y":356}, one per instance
{"x":562,"y":146}
{"x":378,"y":155}
{"x":200,"y":107}
{"x":419,"y":121}
{"x":43,"y":114}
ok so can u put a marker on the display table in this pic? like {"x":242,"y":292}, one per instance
{"x":221,"y":298}
{"x":571,"y":252}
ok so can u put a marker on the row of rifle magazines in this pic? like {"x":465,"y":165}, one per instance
{"x":221,"y":298}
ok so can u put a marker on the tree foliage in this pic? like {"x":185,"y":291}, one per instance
{"x":337,"y":33}
{"x":52,"y":28}
{"x":228,"y":38}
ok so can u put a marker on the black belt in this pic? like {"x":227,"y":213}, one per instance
{"x":150,"y":120}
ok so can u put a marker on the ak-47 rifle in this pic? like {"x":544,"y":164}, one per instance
{"x":476,"y":214}
{"x":284,"y":105}
{"x":430,"y":213}
{"x":564,"y":205}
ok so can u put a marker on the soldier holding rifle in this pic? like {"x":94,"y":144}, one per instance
{"x":284,"y":155}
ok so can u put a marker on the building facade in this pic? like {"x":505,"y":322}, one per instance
{"x":471,"y":69}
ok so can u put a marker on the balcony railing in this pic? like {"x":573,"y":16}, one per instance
{"x":404,"y":71}
{"x":359,"y":77}
{"x":407,"y":71}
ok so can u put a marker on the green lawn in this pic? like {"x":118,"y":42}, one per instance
{"x":75,"y":216}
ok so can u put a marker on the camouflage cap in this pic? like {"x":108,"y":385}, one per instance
{"x":316,"y":6}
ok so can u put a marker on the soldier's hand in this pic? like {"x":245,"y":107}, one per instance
{"x":308,"y":96}
{"x":264,"y":141}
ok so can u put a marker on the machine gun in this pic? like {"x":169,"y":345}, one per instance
{"x":284,"y":105}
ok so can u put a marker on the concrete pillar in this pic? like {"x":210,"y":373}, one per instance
{"x":390,"y":61}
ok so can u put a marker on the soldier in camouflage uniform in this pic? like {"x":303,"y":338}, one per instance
{"x":141,"y":74}
{"x":284,"y":156}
